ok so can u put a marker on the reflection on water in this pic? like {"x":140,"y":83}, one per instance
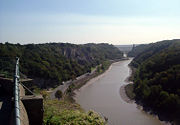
{"x":102,"y":95}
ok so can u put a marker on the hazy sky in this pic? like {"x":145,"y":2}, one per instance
{"x":83,"y":21}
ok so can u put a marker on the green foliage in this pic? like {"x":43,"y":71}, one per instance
{"x":137,"y":50}
{"x":65,"y":113}
{"x":54,"y":62}
{"x":105,"y":65}
{"x":69,"y":117}
{"x":145,"y":51}
{"x":58,"y":94}
{"x":158,"y":76}
{"x":99,"y":69}
{"x":129,"y":89}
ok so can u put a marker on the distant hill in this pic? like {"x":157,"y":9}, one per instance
{"x":157,"y":79}
{"x":52,"y":63}
{"x":124,"y":48}
{"x":144,"y":51}
{"x":137,"y":50}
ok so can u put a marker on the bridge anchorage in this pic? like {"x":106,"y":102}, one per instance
{"x":17,"y":108}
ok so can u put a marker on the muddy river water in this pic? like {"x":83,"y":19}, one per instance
{"x":102,"y":95}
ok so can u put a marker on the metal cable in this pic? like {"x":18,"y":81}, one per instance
{"x":27,"y":89}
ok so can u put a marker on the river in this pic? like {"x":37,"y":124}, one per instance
{"x":101,"y":94}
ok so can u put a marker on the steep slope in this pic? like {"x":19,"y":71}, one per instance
{"x":144,"y":51}
{"x":52,"y":63}
{"x":157,"y":79}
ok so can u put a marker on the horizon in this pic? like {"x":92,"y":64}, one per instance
{"x":79,"y":22}
{"x":82,"y":43}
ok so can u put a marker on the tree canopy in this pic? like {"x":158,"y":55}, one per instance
{"x":52,"y":63}
{"x":157,"y":79}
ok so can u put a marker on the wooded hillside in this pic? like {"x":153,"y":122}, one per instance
{"x":53,"y":63}
{"x":157,"y":79}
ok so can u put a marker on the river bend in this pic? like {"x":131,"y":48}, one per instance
{"x":102,"y":95}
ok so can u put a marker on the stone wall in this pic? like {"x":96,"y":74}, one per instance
{"x":31,"y":107}
{"x":34,"y":108}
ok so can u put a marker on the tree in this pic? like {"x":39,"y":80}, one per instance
{"x":98,"y":69}
{"x":54,"y":62}
{"x":44,"y":94}
{"x":58,"y":94}
{"x":157,"y":77}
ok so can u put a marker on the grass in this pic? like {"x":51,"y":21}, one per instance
{"x":57,"y":106}
{"x":64,"y":112}
{"x":70,"y":92}
{"x":67,"y":112}
{"x":93,"y":68}
{"x":129,"y":89}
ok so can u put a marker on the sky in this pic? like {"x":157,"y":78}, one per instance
{"x":116,"y":22}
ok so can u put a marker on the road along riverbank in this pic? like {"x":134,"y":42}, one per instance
{"x":70,"y":86}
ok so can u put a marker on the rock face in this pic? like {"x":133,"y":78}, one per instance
{"x":52,"y":63}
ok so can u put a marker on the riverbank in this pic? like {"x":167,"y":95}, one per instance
{"x":73,"y":89}
{"x":98,"y":76}
{"x":126,"y":91}
{"x":101,"y":94}
{"x":70,"y":86}
{"x":67,"y":102}
{"x":66,"y":105}
{"x":66,"y":110}
{"x":63,"y":112}
{"x":123,"y":94}
{"x":95,"y":77}
{"x":128,"y":95}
